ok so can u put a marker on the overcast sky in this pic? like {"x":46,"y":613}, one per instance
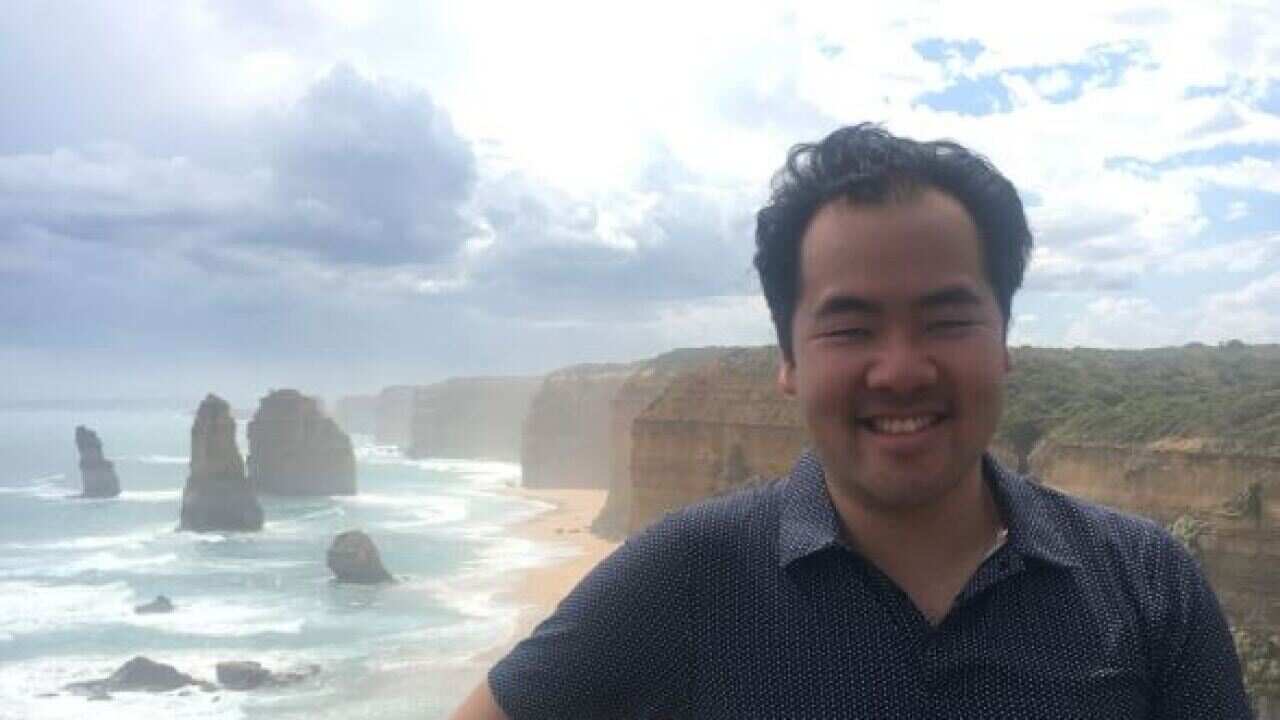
{"x":240,"y":195}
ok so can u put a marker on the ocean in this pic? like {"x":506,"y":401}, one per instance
{"x":72,"y":570}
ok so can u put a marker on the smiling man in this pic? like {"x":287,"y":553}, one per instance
{"x":898,"y":571}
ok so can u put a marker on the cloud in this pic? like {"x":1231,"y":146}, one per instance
{"x":1121,"y":321}
{"x":674,"y":236}
{"x":350,"y":194}
{"x":1239,"y":256}
{"x":365,"y":174}
{"x":1248,"y":313}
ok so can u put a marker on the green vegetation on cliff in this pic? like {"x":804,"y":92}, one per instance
{"x":1219,"y":399}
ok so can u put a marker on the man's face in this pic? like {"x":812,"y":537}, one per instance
{"x":898,"y":348}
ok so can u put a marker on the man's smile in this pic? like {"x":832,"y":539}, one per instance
{"x":901,"y":425}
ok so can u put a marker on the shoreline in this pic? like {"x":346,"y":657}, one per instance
{"x":567,"y":526}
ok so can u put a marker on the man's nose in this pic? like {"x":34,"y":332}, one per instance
{"x":902,"y":367}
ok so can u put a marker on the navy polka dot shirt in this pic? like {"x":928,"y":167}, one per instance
{"x":750,"y":606}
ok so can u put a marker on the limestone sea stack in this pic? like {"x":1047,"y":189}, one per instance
{"x":97,"y":473}
{"x":295,"y":449}
{"x":354,"y":558}
{"x":218,"y":495}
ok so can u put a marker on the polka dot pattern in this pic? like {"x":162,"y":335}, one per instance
{"x":750,"y":606}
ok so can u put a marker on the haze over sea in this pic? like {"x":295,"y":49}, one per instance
{"x":72,"y":570}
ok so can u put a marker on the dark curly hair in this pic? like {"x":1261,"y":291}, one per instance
{"x":866,"y":164}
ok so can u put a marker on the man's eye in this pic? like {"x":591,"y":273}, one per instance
{"x":852,"y":333}
{"x":951,"y":324}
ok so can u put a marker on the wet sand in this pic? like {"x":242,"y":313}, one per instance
{"x":568,"y":528}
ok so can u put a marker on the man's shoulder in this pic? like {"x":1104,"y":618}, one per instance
{"x":744,"y":512}
{"x":1098,"y":532}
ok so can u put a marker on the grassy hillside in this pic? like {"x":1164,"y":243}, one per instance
{"x":1224,"y":399}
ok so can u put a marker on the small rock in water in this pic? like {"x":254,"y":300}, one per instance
{"x":161,"y":604}
{"x":242,"y":674}
{"x":250,"y":675}
{"x":141,"y":674}
{"x":354,"y":558}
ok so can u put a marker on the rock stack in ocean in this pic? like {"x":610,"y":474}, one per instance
{"x":218,"y":495}
{"x":354,"y":558}
{"x":295,"y":449}
{"x":96,"y":472}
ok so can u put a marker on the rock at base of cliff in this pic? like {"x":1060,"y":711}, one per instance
{"x":218,"y":495}
{"x":354,"y":558}
{"x":97,"y":474}
{"x":141,"y":674}
{"x":250,"y":675}
{"x":161,"y":604}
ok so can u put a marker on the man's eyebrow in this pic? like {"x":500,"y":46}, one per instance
{"x":842,"y":304}
{"x":951,"y":296}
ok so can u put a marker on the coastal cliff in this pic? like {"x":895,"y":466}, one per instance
{"x":566,"y":433}
{"x":294,"y":449}
{"x":1189,"y":437}
{"x":217,"y":495}
{"x":97,"y":473}
{"x":478,"y":417}
{"x":645,"y":385}
{"x":1228,"y":504}
{"x":357,"y":414}
{"x":393,"y":415}
{"x":713,"y":428}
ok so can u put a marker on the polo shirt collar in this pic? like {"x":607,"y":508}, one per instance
{"x":808,"y":523}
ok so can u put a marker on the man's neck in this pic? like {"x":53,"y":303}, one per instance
{"x":935,"y":540}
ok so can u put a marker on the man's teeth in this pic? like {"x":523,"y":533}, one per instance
{"x":899,"y":426}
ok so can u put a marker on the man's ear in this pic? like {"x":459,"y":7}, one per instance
{"x":786,"y":376}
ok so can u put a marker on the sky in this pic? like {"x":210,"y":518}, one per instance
{"x":242,"y":195}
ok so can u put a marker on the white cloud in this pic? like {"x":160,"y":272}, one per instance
{"x":1125,"y":321}
{"x":1247,"y":255}
{"x":619,"y":152}
{"x":1249,"y":313}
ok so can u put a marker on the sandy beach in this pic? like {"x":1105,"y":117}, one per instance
{"x":434,"y":690}
{"x":538,"y":590}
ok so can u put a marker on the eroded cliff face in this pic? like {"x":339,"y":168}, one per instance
{"x":472,"y":418}
{"x":295,"y":449}
{"x":645,"y":385}
{"x":218,"y":495}
{"x":393,"y":418}
{"x":357,"y":414}
{"x":1233,"y":499}
{"x":566,"y":433}
{"x":713,"y":428}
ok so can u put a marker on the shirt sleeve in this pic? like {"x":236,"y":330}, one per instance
{"x":616,"y":646}
{"x":1200,"y":674}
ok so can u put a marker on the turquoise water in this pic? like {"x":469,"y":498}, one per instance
{"x":71,"y":571}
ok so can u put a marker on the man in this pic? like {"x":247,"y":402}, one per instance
{"x":898,"y":571}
